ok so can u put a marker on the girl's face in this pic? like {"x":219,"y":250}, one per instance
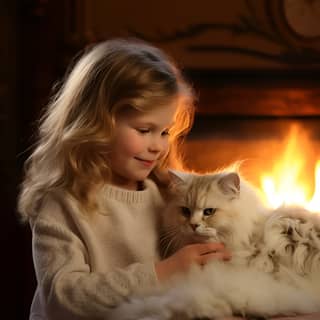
{"x":141,"y":139}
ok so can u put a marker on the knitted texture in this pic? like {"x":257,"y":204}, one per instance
{"x":85,"y":265}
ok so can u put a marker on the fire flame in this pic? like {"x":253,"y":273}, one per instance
{"x":287,"y":183}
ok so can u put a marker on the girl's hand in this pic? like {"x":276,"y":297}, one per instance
{"x":199,"y":254}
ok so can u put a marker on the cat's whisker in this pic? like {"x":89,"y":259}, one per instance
{"x":170,"y":230}
{"x":169,"y":233}
{"x":163,"y":240}
{"x":180,"y":242}
{"x":166,"y":251}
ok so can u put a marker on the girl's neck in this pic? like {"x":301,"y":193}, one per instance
{"x":135,"y":186}
{"x":140,"y":185}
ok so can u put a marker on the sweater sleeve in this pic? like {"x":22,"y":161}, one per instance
{"x":69,"y":289}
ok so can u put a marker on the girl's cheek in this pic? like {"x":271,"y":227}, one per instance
{"x":134,"y":144}
{"x":165,"y":150}
{"x":166,"y":145}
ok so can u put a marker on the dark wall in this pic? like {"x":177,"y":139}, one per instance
{"x":30,"y":40}
{"x":15,"y":265}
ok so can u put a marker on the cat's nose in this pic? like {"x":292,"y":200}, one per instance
{"x":194,"y":226}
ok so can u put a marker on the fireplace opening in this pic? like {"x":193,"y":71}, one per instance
{"x":258,"y":142}
{"x":268,"y":121}
{"x":278,"y":155}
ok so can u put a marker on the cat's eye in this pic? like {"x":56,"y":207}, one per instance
{"x":185,"y":212}
{"x":209,"y":211}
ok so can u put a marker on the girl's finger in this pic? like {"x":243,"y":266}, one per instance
{"x":205,"y":248}
{"x":204,"y":259}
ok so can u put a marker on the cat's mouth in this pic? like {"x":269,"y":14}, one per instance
{"x":205,"y":232}
{"x":199,"y":237}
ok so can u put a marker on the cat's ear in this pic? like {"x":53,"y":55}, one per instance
{"x":230,"y":184}
{"x":177,"y":177}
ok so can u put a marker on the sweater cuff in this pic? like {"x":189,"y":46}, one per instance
{"x":146,"y":275}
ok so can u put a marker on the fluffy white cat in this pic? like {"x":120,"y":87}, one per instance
{"x":275,"y":266}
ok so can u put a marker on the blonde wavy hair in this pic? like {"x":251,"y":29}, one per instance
{"x":77,"y":127}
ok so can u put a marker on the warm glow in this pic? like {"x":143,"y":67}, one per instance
{"x":288,"y":184}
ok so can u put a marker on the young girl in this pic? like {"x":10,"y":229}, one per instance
{"x":92,"y":188}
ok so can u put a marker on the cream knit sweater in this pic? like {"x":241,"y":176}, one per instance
{"x":85,"y":265}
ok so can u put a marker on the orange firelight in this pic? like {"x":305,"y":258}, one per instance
{"x":288,"y":183}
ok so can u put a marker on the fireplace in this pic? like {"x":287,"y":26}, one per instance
{"x":271,"y":126}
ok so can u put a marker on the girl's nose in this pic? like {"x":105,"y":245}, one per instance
{"x":157,"y":145}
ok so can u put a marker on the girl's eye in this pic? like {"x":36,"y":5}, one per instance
{"x":209,"y":211}
{"x":185,"y":212}
{"x":143,"y":130}
{"x":165,"y":132}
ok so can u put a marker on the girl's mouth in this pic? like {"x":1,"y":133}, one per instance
{"x":146,"y":163}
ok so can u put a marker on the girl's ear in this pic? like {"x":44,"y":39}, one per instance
{"x":229,"y":184}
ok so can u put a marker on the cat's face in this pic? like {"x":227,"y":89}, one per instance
{"x":202,"y":208}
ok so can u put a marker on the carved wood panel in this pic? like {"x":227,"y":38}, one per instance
{"x":224,"y":35}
